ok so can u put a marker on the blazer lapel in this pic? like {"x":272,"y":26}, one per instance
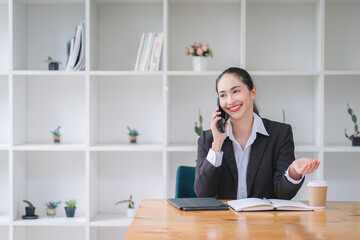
{"x":257,"y":151}
{"x":230,"y":159}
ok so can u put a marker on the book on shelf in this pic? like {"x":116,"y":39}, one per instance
{"x":258,"y":204}
{"x":149,"y":52}
{"x":76,"y":49}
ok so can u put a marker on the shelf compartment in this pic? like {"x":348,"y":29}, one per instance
{"x":342,"y":35}
{"x":4,"y":187}
{"x":188,"y":94}
{"x":4,"y":36}
{"x":4,"y":232}
{"x":49,"y":232}
{"x":293,"y":42}
{"x":4,"y":110}
{"x":107,"y":233}
{"x":49,"y":176}
{"x":115,"y":32}
{"x":112,"y":179}
{"x":200,"y":24}
{"x":31,"y":21}
{"x":119,"y":101}
{"x":335,"y":109}
{"x":42,"y":103}
{"x":341,"y":173}
{"x":301,"y":103}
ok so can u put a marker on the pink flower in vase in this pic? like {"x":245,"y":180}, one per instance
{"x":205,"y":48}
{"x":191,"y":50}
{"x":199,"y":51}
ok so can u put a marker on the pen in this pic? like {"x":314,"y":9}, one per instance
{"x":268,"y":200}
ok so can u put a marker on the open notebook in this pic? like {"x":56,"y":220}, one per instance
{"x":258,"y":204}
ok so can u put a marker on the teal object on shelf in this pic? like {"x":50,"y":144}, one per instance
{"x":185,"y":178}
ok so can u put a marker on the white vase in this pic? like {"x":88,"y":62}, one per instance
{"x":199,"y":63}
{"x":130,"y":212}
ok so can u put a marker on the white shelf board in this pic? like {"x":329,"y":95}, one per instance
{"x":280,"y":1}
{"x":341,"y":148}
{"x":284,"y":73}
{"x":193,"y":73}
{"x":110,"y":220}
{"x":127,"y":147}
{"x":127,"y":1}
{"x":48,"y":73}
{"x":182,"y":148}
{"x":204,"y":1}
{"x":335,"y":73}
{"x":49,"y":147}
{"x":125,"y":73}
{"x":53,"y":2}
{"x":306,"y":148}
{"x":56,"y":221}
{"x":4,"y":146}
{"x":4,"y":220}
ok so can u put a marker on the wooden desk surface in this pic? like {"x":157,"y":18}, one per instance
{"x":157,"y":219}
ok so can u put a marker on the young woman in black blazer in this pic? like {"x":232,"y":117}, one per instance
{"x":255,"y":156}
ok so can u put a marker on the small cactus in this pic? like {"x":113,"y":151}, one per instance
{"x":356,"y":128}
{"x":199,"y":129}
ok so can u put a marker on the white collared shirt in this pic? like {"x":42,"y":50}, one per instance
{"x":242,"y":155}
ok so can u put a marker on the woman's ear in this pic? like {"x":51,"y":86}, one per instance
{"x":253,"y":93}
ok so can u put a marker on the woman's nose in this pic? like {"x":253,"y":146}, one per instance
{"x":230,"y":99}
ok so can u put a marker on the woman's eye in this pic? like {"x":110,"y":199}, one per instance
{"x":236,"y":91}
{"x":222,"y":95}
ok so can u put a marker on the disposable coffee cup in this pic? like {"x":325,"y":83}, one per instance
{"x":317,"y":194}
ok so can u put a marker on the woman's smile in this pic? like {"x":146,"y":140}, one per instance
{"x":235,"y":108}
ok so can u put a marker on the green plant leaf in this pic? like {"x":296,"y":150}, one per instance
{"x":354,"y":119}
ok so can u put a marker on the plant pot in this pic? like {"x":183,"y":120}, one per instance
{"x":51,"y":212}
{"x":199,"y":63}
{"x":132,"y":139}
{"x":70,"y":212}
{"x":30,"y":211}
{"x":130,"y":212}
{"x":56,"y":138}
{"x":356,"y":141}
{"x":53,"y":66}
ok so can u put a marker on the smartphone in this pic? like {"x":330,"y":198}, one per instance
{"x":224,"y":117}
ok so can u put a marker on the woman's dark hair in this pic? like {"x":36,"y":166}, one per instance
{"x":243,"y":76}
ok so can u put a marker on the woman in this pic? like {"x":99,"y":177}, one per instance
{"x":254,"y":157}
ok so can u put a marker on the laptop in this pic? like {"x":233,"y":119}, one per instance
{"x":197,"y":204}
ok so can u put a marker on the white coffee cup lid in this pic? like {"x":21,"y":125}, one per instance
{"x":317,"y":183}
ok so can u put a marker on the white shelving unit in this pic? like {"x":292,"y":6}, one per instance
{"x":303,"y":56}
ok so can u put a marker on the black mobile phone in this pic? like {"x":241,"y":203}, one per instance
{"x":224,"y":118}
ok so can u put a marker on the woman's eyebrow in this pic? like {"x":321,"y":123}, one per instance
{"x":230,"y":89}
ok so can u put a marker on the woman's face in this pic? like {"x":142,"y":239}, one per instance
{"x":235,"y":97}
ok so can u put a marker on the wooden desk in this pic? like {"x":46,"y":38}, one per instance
{"x":157,"y":219}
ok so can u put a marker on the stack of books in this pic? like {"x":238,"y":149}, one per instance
{"x":76,"y":49}
{"x":149,"y":53}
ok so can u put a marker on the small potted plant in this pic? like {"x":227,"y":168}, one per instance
{"x":51,"y":208}
{"x":199,"y":52}
{"x":133,"y":134}
{"x":199,"y":129}
{"x":56,"y":134}
{"x":70,"y":208}
{"x":355,"y":138}
{"x":29,"y":211}
{"x":130,"y":212}
{"x":52,"y":63}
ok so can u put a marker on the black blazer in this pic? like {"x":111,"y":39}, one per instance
{"x":270,"y":157}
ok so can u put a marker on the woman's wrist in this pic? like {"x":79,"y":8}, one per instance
{"x":216,"y":146}
{"x":293,"y":173}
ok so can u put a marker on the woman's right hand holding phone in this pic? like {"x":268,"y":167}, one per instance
{"x":218,"y":136}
